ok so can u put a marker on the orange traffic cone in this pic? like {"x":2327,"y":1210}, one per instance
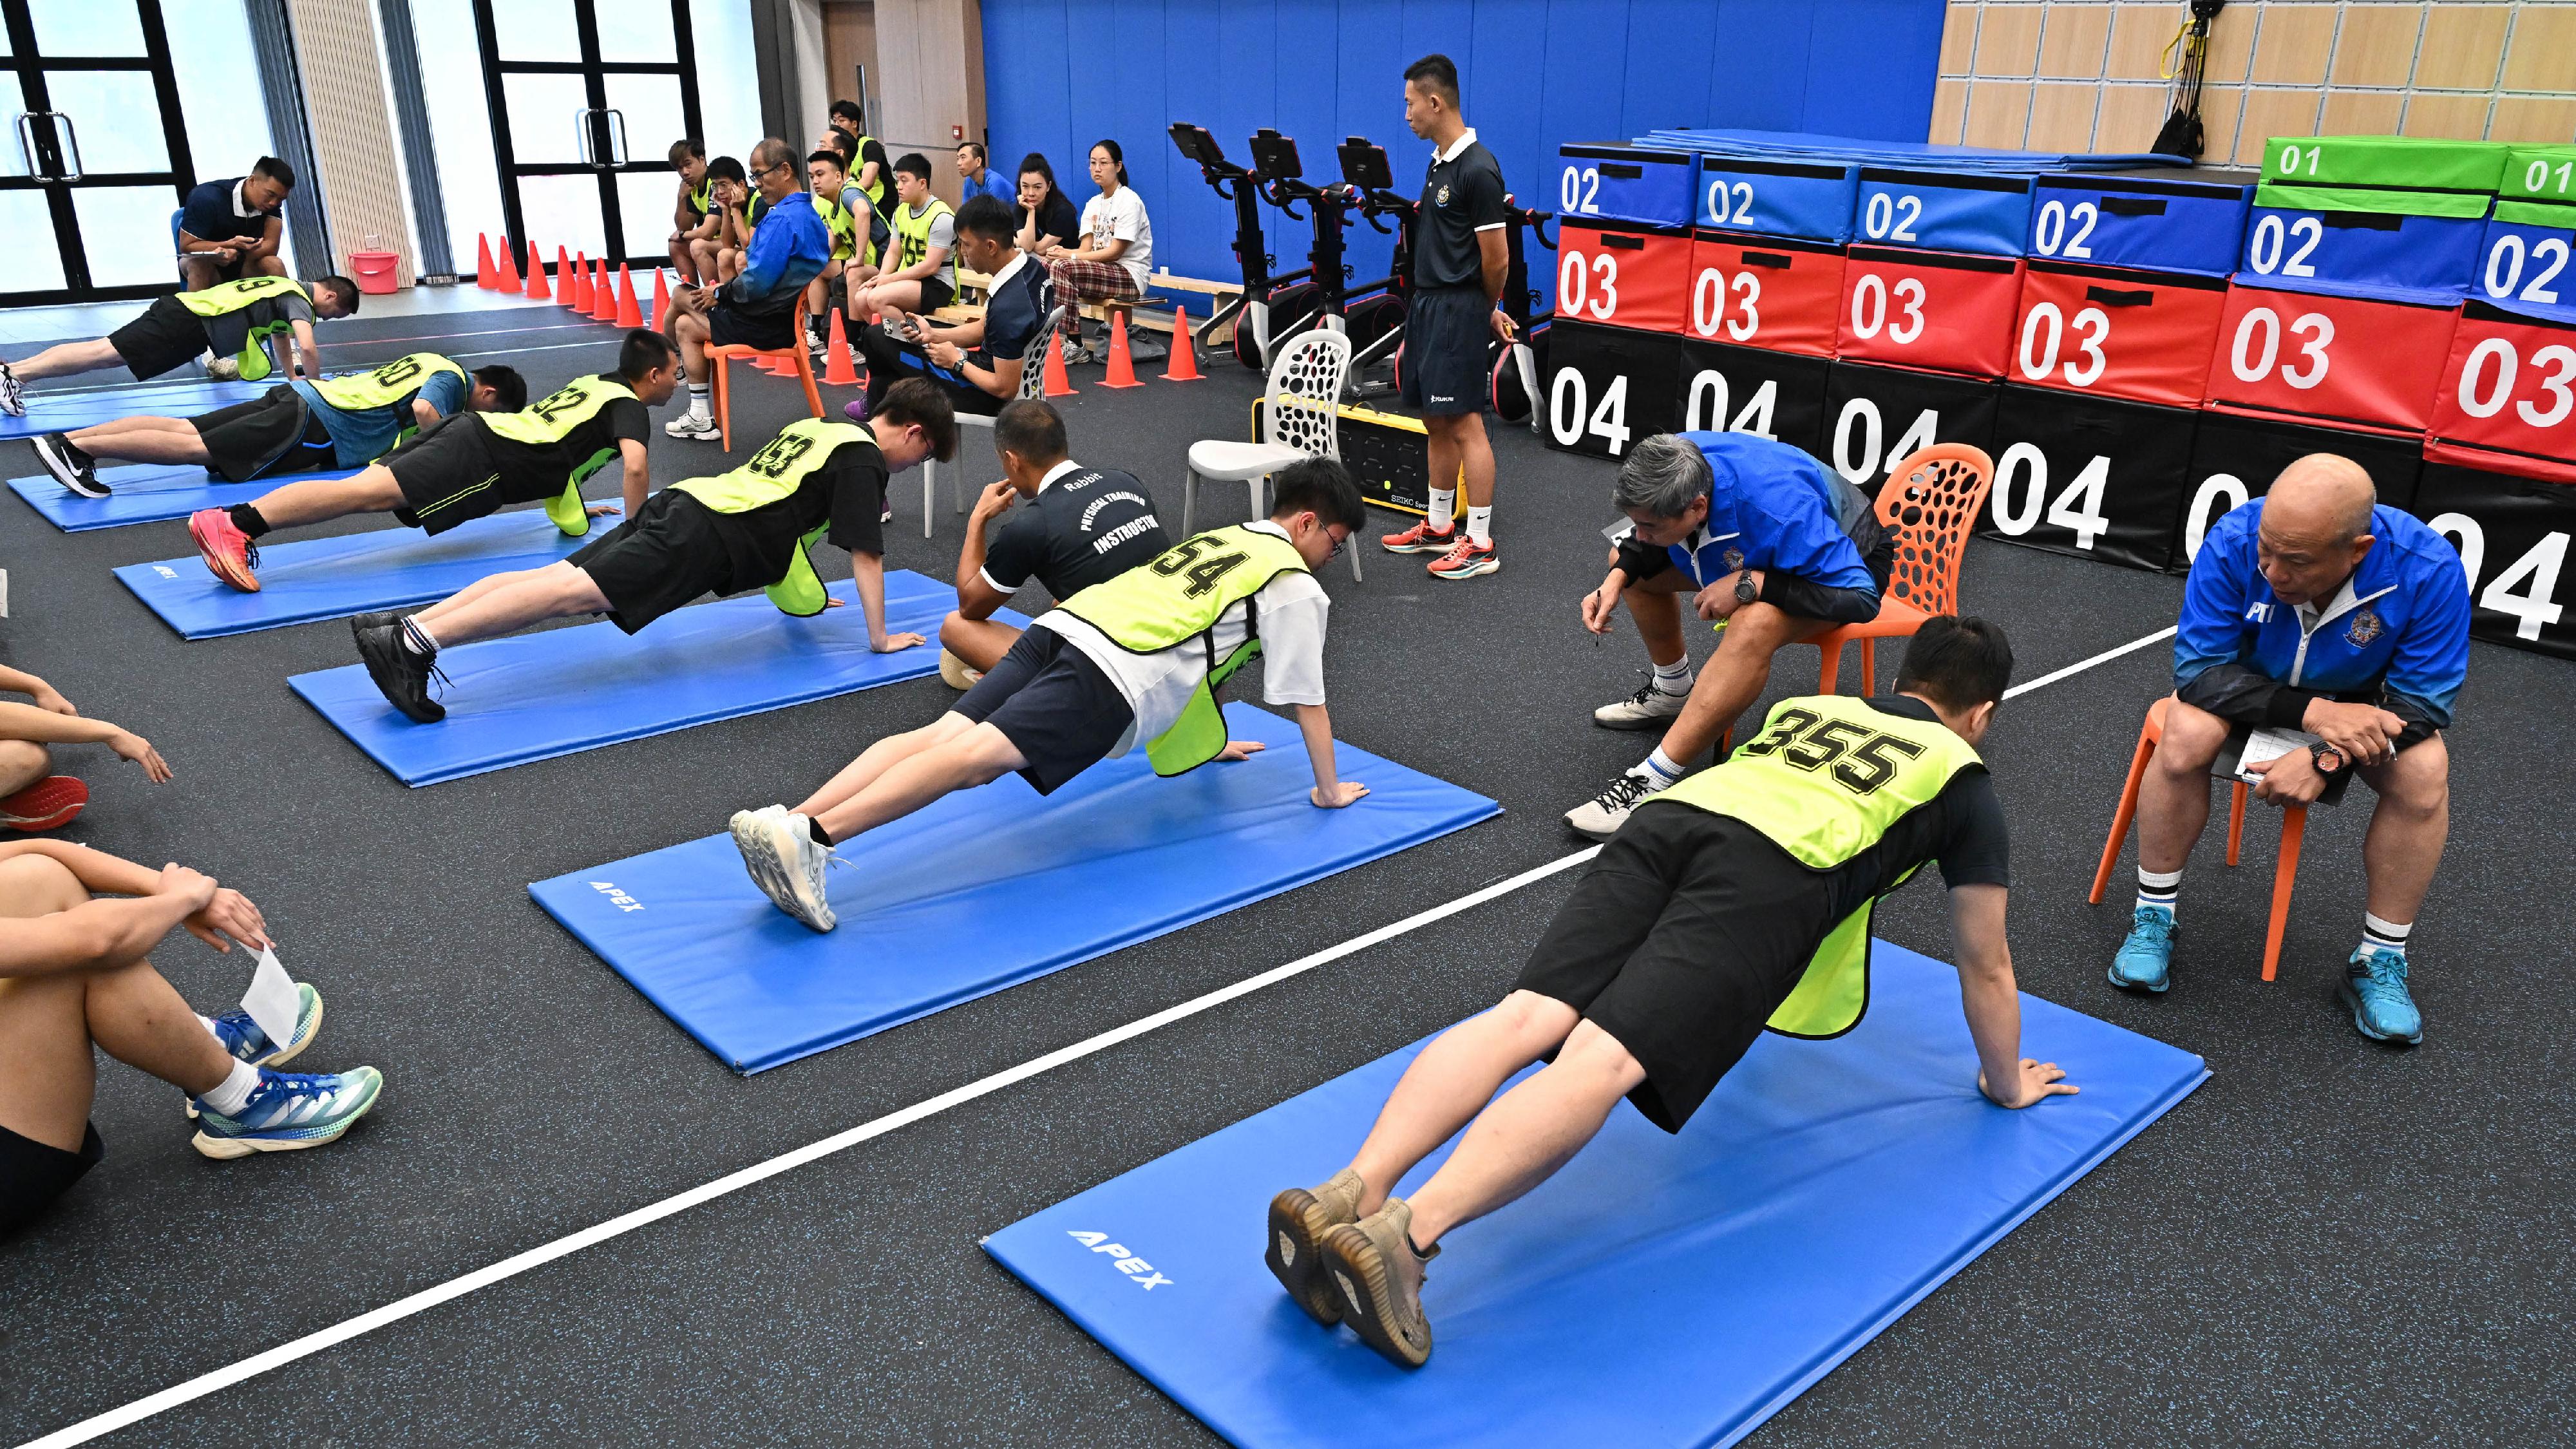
{"x":485,"y":279}
{"x":1122,"y":368}
{"x":577,"y":296}
{"x":603,"y":293}
{"x":838,"y":370}
{"x":536,"y":274}
{"x":1184,"y":363}
{"x":1057,"y":384}
{"x":629,"y":313}
{"x":563,"y":276}
{"x":509,"y":273}
{"x":661,"y":299}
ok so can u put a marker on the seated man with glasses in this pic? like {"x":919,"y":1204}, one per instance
{"x":762,"y":305}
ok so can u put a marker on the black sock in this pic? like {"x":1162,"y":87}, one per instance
{"x":247,"y":519}
{"x":814,"y":828}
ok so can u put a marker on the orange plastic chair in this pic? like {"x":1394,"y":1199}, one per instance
{"x":1929,"y":503}
{"x":2285,"y":873}
{"x":722,"y":353}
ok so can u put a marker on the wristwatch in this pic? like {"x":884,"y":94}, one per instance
{"x":1746,"y":591}
{"x":2317,"y":755}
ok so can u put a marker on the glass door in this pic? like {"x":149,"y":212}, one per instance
{"x":97,"y":159}
{"x":586,"y":100}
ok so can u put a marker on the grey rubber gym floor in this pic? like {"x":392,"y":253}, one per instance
{"x":2331,"y":1242}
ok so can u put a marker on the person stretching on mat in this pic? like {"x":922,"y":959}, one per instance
{"x":471,"y":464}
{"x":761,"y":306}
{"x":978,"y":362}
{"x":74,"y":975}
{"x":1745,"y":905}
{"x":32,"y":797}
{"x":299,"y":427}
{"x":1082,"y":526}
{"x":1136,"y":660}
{"x":237,"y":320}
{"x":746,"y":529}
{"x":1751,"y":533}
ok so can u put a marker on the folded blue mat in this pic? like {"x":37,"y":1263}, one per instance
{"x":1922,"y":155}
{"x":985,"y":889}
{"x":561,"y":691}
{"x":147,"y":493}
{"x":332,"y":578}
{"x":83,"y":404}
{"x":1658,"y":1291}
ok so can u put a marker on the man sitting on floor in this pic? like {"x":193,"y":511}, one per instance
{"x":74,"y":975}
{"x":299,"y":427}
{"x":1746,"y":905}
{"x":472,"y":464}
{"x":1082,"y":526}
{"x":237,"y":320}
{"x":1135,"y":660}
{"x":1758,"y":536}
{"x":978,"y":363}
{"x":32,"y":797}
{"x":761,"y":306}
{"x":2315,"y":609}
{"x":229,"y":229}
{"x":745,"y":529}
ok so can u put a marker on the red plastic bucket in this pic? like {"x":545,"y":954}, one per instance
{"x":374,"y":271}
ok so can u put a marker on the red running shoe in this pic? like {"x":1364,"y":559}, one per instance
{"x":1467,"y":560}
{"x":229,"y":553}
{"x":1420,"y":538}
{"x":48,"y":804}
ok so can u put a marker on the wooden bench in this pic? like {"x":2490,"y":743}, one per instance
{"x":1138,"y":315}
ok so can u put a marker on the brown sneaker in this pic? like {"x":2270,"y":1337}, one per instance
{"x":1299,"y":1219}
{"x":1373,"y":1266}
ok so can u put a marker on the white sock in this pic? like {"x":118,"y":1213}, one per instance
{"x":1480,"y":525}
{"x":1443,"y":514}
{"x":1659,"y":767}
{"x":698,"y":394}
{"x":2379,"y":935}
{"x":1674,"y":678}
{"x":233,"y":1093}
{"x":416,"y":637}
{"x":210,"y":1027}
{"x":2159,"y":889}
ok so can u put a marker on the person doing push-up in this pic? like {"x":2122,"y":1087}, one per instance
{"x":1135,"y":660}
{"x":1735,"y":900}
{"x":745,"y":529}
{"x":235,"y":320}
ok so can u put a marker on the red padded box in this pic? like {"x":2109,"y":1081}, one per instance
{"x":2508,"y":397}
{"x":2117,"y":332}
{"x":1766,"y":292}
{"x":1623,"y":276}
{"x":2351,"y":360}
{"x":1945,"y":311}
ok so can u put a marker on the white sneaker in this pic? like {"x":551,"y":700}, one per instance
{"x":1601,"y":816}
{"x":13,"y":393}
{"x":786,"y":862}
{"x":223,"y":369}
{"x":954,"y":672}
{"x":1649,"y":708}
{"x":689,"y":425}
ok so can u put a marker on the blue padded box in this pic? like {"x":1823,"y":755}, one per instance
{"x":1808,"y":199}
{"x":1620,"y":182}
{"x":1947,"y":211}
{"x":2160,"y":221}
{"x":2528,"y":259}
{"x":2407,"y":247}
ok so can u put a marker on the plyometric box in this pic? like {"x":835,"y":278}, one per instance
{"x":2235,"y":459}
{"x":1876,"y":416}
{"x":2089,"y":476}
{"x":2512,"y":536}
{"x":1608,"y":387}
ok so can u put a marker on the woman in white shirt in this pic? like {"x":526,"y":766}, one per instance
{"x":1116,"y":251}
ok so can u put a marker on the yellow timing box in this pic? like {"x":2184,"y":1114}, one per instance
{"x":1389,"y":457}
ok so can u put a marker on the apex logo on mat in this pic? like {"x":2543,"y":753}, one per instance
{"x":1138,"y":1271}
{"x":617,"y":897}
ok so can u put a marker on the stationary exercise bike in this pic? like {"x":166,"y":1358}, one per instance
{"x":1517,"y":367}
{"x":1272,"y":306}
{"x":1375,"y":322}
{"x":1284,"y":185}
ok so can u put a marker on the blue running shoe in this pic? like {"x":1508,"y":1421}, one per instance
{"x":242,"y":1037}
{"x":289,"y":1111}
{"x":2144,"y":958}
{"x":2374,"y":986}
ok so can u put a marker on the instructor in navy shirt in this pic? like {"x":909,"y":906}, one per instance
{"x":229,"y":229}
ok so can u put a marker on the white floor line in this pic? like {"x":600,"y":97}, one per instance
{"x":199,"y":1387}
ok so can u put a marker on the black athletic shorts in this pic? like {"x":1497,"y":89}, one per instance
{"x":1445,"y":368}
{"x":935,"y":294}
{"x":1680,"y":941}
{"x":165,"y":338}
{"x":1054,"y":705}
{"x":275,"y":433}
{"x":666,"y":555}
{"x":448,"y":474}
{"x":33,"y":1174}
{"x":731,"y":326}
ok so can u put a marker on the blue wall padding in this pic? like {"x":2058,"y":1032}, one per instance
{"x":1658,"y":1291}
{"x":332,"y":578}
{"x":74,"y":407}
{"x":561,"y":691}
{"x":147,"y":493}
{"x":985,"y":889}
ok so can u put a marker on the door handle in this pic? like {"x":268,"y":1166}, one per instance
{"x":581,"y":135}
{"x":617,"y":138}
{"x":71,"y":145}
{"x":27,"y":150}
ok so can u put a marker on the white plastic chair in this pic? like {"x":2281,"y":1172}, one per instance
{"x":1299,"y":416}
{"x":1032,"y":384}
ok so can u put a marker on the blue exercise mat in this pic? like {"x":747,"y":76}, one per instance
{"x":1658,"y":1291}
{"x":86,"y":405}
{"x":332,"y":578}
{"x":147,"y":493}
{"x":985,"y":889}
{"x":561,"y":691}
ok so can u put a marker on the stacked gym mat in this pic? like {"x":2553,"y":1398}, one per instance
{"x":2140,"y":346}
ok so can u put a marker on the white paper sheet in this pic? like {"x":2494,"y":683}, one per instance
{"x":2270,"y":744}
{"x":272,"y":999}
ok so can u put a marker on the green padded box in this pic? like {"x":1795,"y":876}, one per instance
{"x":2539,"y":186}
{"x":2403,"y":163}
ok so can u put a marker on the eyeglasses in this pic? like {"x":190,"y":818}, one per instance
{"x":760,"y":171}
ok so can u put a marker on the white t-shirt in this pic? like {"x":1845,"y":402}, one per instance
{"x":1122,"y":218}
{"x":1159,"y":685}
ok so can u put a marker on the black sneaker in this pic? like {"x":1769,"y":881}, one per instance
{"x":402,"y":675}
{"x":359,"y":624}
{"x":71,"y":467}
